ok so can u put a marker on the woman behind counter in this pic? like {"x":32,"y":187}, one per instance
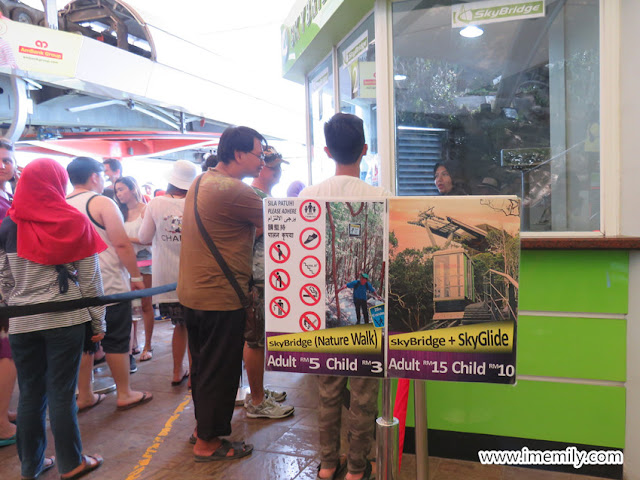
{"x":49,"y":252}
{"x":449,"y":179}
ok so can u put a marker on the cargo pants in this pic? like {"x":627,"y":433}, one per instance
{"x":361,"y":419}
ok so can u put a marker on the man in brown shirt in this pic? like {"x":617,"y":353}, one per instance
{"x":231,"y":212}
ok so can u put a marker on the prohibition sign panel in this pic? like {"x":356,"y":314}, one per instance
{"x":279,"y":280}
{"x":279,"y":252}
{"x":309,"y":321}
{"x":310,"y":210}
{"x":280,"y":307}
{"x":310,"y":238}
{"x":310,"y":266}
{"x":310,"y":294}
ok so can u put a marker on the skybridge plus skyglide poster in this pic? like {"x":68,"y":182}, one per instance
{"x":453,"y":288}
{"x":324,"y":286}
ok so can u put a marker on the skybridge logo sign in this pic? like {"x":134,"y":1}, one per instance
{"x":478,"y":13}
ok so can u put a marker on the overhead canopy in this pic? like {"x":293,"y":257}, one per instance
{"x":119,"y":144}
{"x":185,"y":78}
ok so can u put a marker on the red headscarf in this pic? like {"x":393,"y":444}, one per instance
{"x":50,"y":231}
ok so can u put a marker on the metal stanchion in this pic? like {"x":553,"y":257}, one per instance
{"x":422,"y":447}
{"x":387,"y":429}
{"x":243,"y":388}
{"x":101,"y":379}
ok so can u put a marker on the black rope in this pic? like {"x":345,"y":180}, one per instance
{"x":48,"y":307}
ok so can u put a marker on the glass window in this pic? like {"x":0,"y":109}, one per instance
{"x":508,"y":101}
{"x":357,"y":80}
{"x":321,"y":109}
{"x":449,"y":276}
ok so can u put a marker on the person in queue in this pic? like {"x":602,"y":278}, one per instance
{"x":117,"y":263}
{"x":49,"y":253}
{"x":7,"y":366}
{"x":449,"y":179}
{"x":230,"y":212}
{"x":261,"y":402}
{"x":162,"y":226}
{"x":344,"y":135}
{"x":129,"y":200}
{"x":294,"y":189}
{"x":113,"y":171}
{"x":148,"y":192}
{"x":210,"y":162}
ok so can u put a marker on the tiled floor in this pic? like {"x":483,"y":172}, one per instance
{"x":150,"y":442}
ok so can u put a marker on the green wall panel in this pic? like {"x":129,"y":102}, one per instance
{"x":561,"y":412}
{"x":592,"y":348}
{"x":594,"y":281}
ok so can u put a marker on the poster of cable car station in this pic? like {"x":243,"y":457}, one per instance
{"x":453,"y":288}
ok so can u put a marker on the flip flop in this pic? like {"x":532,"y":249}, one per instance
{"x":339,"y":469}
{"x":240,"y":449}
{"x":146,"y":355}
{"x":5,"y":442}
{"x":101,"y":397}
{"x":368,"y":471}
{"x":181,"y":381}
{"x":86,"y":467}
{"x":146,"y":397}
{"x":193,"y":439}
{"x":135,"y":351}
{"x":45,"y":468}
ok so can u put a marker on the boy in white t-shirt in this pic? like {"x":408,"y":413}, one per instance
{"x":344,"y":135}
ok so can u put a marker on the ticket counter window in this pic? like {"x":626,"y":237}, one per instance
{"x":357,"y":68}
{"x":508,"y":98}
{"x":321,"y":109}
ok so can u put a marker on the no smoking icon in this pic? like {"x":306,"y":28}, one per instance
{"x":309,"y":321}
{"x":279,"y":280}
{"x":310,"y":238}
{"x":310,"y":266}
{"x":310,"y":210}
{"x":279,"y":307}
{"x":310,"y":294}
{"x":279,"y":252}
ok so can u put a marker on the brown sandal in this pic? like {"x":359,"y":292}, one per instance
{"x":87,"y":466}
{"x":240,"y":449}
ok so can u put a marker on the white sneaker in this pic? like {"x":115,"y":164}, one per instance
{"x":268,"y":409}
{"x":277,"y":396}
{"x":273,"y":394}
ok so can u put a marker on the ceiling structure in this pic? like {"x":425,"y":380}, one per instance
{"x":210,"y":71}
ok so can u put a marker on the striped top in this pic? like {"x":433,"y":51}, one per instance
{"x":24,"y":282}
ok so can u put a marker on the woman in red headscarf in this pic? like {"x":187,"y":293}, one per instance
{"x":49,"y":253}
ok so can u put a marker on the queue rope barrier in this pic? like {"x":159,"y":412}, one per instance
{"x":14,"y":311}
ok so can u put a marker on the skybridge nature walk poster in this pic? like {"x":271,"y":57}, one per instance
{"x":405,"y":287}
